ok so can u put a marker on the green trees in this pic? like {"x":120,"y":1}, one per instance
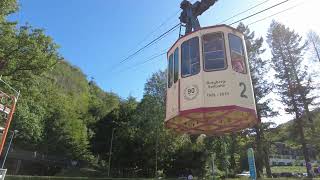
{"x":314,"y":44}
{"x":7,"y":7}
{"x":294,"y":82}
{"x":25,"y":54}
{"x":25,"y":51}
{"x":261,"y":87}
{"x":142,"y":147}
{"x":138,"y":132}
{"x":58,"y":105}
{"x":65,"y":127}
{"x":57,"y":110}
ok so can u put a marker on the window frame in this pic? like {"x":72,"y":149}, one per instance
{"x":225,"y":52}
{"x":189,"y":75}
{"x":243,"y":52}
{"x":170,"y":82}
{"x":175,"y":79}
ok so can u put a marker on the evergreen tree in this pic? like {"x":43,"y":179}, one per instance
{"x":294,"y":82}
{"x":261,"y":87}
{"x":314,"y":44}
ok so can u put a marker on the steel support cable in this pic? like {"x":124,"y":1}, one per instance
{"x":154,"y":56}
{"x":276,"y":13}
{"x":150,"y":43}
{"x":148,"y":60}
{"x":164,"y":34}
{"x":156,"y":29}
{"x":244,"y":11}
{"x":177,"y":25}
{"x":254,"y":15}
{"x":173,"y":28}
{"x":162,"y":24}
{"x":155,"y":40}
{"x":259,"y":12}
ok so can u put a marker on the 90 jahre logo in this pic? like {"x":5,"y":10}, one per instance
{"x":191,"y":92}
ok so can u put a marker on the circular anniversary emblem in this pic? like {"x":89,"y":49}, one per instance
{"x":191,"y":92}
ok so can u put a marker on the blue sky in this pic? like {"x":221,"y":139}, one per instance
{"x":95,"y":35}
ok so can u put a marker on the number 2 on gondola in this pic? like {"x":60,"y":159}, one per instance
{"x":244,"y":88}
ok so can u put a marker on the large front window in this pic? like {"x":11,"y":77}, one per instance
{"x":214,"y":52}
{"x":190,"y":58}
{"x":237,"y":54}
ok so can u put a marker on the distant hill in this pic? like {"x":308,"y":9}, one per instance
{"x":287,"y":132}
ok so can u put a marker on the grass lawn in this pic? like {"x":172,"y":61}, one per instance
{"x":85,"y":178}
{"x":65,"y":178}
{"x":84,"y":175}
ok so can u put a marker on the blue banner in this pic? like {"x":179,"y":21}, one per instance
{"x":252,"y":165}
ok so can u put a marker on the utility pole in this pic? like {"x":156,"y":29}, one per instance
{"x":212,"y":166}
{"x":156,"y":174}
{"x":226,"y":158}
{"x":110,"y":152}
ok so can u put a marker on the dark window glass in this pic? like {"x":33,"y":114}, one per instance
{"x":190,"y":58}
{"x":170,"y":71}
{"x":176,"y":65}
{"x":237,"y":54}
{"x":213,"y":52}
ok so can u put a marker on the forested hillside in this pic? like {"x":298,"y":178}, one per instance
{"x":287,"y":133}
{"x":56,"y":113}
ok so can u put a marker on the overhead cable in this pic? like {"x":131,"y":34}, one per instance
{"x":177,"y":25}
{"x":259,"y":12}
{"x":275,"y":14}
{"x":157,"y":28}
{"x":148,"y":60}
{"x":150,"y":43}
{"x":243,"y":11}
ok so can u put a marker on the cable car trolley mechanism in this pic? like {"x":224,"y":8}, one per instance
{"x":209,"y":89}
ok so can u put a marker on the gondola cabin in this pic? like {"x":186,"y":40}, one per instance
{"x":209,"y":89}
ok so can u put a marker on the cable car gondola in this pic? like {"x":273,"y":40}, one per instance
{"x":209,"y":89}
